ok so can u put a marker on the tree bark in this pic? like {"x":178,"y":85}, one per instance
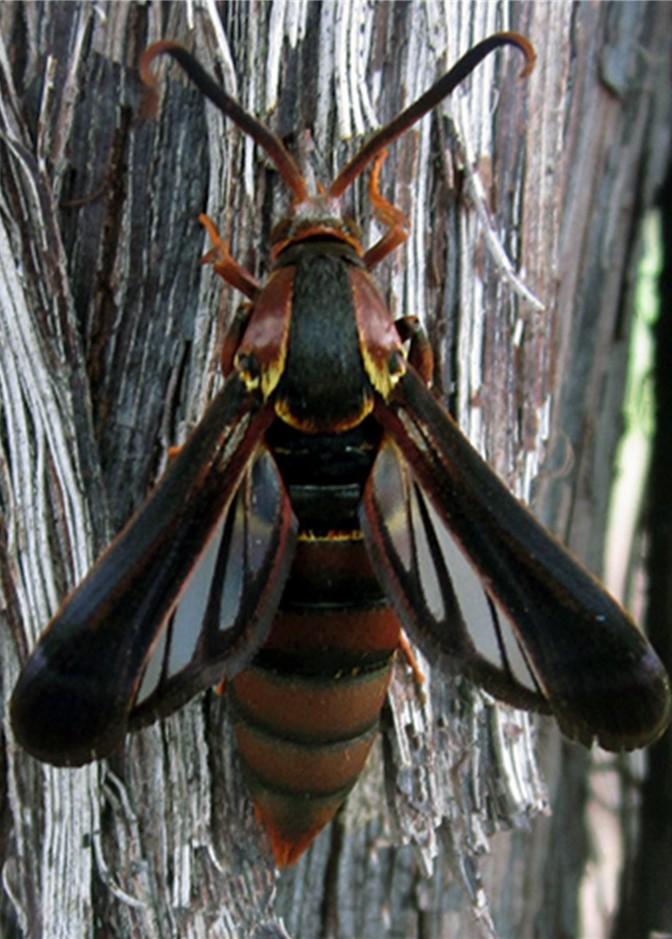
{"x":110,"y":335}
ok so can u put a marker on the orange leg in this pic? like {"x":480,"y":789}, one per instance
{"x":411,"y":660}
{"x":386,"y":213}
{"x":225,"y":264}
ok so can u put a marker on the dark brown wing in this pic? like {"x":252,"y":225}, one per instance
{"x":431,"y":503}
{"x":74,"y":695}
{"x":226,"y":611}
{"x":438,"y":594}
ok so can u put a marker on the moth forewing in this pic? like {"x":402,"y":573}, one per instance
{"x":597,"y":671}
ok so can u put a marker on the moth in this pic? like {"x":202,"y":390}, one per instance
{"x":327,"y":501}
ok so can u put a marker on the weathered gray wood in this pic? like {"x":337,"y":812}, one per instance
{"x":614,"y":152}
{"x":109,"y":351}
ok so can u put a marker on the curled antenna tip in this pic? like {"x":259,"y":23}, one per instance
{"x":526,"y":47}
{"x":149,"y":105}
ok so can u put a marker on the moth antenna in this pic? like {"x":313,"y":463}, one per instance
{"x":274,"y":147}
{"x":443,"y":87}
